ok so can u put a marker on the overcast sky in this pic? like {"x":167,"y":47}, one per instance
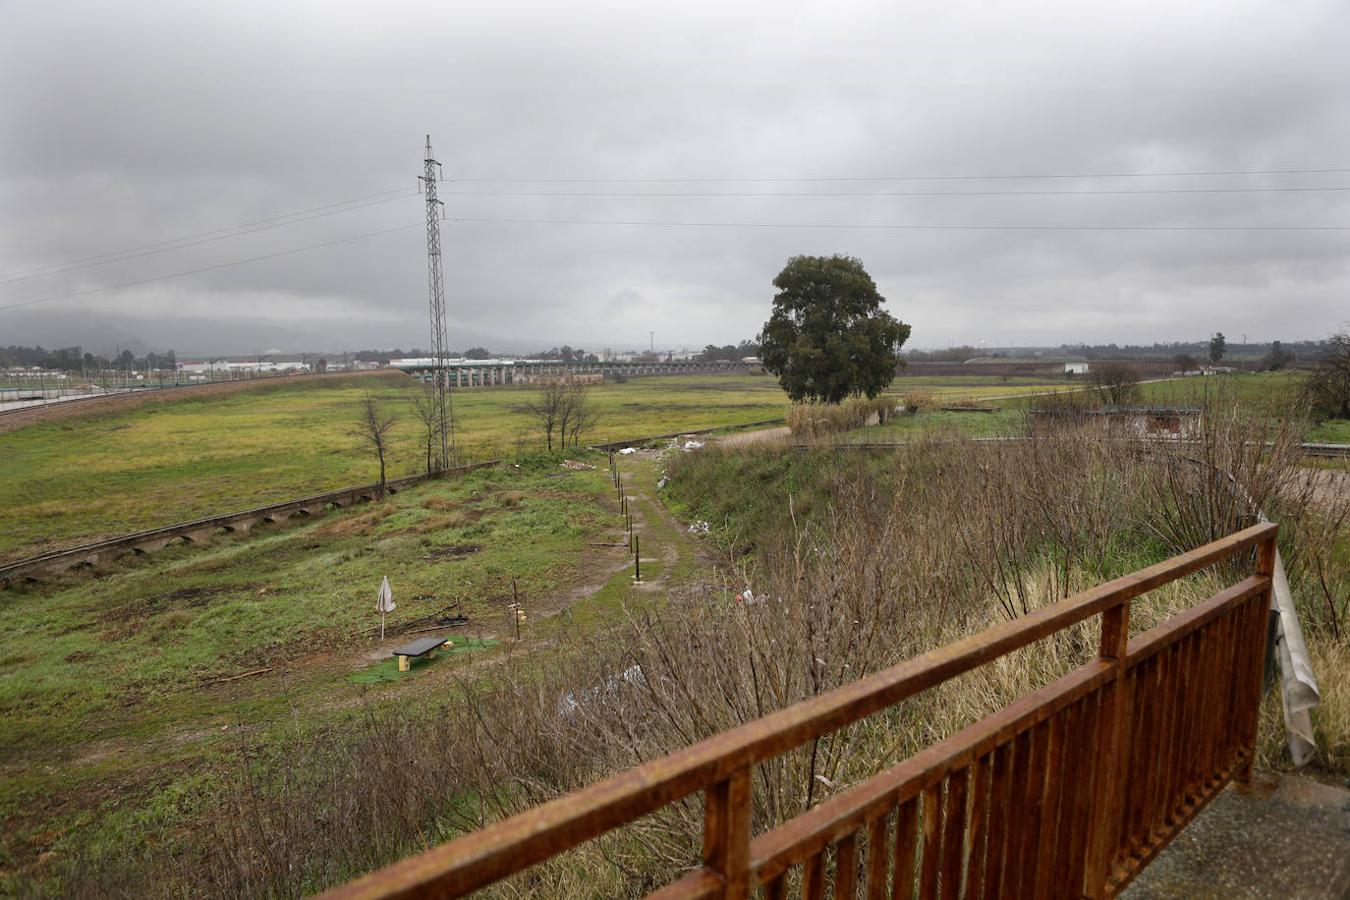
{"x":128,"y":124}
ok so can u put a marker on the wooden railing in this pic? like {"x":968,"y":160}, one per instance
{"x":1067,"y":792}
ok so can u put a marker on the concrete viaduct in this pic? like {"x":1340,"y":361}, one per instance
{"x":492,"y":372}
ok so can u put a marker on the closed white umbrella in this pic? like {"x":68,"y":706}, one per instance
{"x":384,"y":603}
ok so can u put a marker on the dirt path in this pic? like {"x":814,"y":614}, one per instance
{"x":1331,"y":486}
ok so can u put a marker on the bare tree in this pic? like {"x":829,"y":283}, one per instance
{"x":547,"y":408}
{"x":579,"y":415}
{"x":1327,"y":390}
{"x":1116,"y":382}
{"x":429,"y":415}
{"x":374,"y":426}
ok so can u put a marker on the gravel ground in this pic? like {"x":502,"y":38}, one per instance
{"x":1288,"y":838}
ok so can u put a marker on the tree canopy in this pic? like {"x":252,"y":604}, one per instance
{"x":828,"y":337}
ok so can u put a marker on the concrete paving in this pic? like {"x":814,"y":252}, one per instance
{"x":1289,"y":837}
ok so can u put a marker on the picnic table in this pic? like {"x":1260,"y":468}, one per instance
{"x":423,"y":646}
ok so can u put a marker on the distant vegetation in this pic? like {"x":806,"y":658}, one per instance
{"x":75,"y":359}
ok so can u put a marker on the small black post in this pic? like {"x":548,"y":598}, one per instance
{"x":637,"y":558}
{"x":515,"y":606}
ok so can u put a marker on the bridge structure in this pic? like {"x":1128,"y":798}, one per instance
{"x":1069,"y":791}
{"x":465,"y":373}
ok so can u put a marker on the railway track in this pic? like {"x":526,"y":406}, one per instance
{"x":55,"y":562}
{"x":198,"y":531}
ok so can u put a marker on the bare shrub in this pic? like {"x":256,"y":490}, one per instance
{"x":1117,"y":383}
{"x":374,"y":426}
{"x":918,"y":400}
{"x":546,"y":408}
{"x":428,"y":414}
{"x":1327,"y":387}
{"x":578,"y":416}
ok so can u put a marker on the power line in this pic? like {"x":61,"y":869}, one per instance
{"x":655,"y":224}
{"x":225,"y":265}
{"x":901,"y":227}
{"x":1087,"y":193}
{"x":304,"y":215}
{"x":993,"y":177}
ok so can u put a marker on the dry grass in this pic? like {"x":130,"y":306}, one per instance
{"x":917,"y":400}
{"x":885,"y":560}
{"x":352,"y":526}
{"x":818,"y":420}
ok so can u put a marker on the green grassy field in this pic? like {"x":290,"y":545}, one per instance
{"x":1267,"y":393}
{"x":111,"y":692}
{"x":66,"y":482}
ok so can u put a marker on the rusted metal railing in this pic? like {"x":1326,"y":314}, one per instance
{"x":1067,"y":792}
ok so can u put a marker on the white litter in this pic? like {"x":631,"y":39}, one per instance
{"x":699,"y":527}
{"x":627,"y":450}
{"x":571,"y":701}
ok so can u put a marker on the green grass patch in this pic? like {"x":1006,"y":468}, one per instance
{"x":117,"y":688}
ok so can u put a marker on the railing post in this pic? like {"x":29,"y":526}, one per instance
{"x":1112,"y":753}
{"x":726,"y":833}
{"x":1265,"y":567}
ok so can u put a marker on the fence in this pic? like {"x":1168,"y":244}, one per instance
{"x":1069,"y":791}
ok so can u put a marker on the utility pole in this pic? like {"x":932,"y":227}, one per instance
{"x":436,"y":300}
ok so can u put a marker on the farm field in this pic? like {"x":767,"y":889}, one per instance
{"x":120,"y":695}
{"x":1272,"y":393}
{"x":67,"y":482}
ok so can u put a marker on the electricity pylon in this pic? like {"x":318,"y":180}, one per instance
{"x":445,"y":416}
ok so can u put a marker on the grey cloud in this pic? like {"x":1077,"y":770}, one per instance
{"x":127,"y":124}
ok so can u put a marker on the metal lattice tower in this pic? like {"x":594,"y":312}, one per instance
{"x":436,"y":299}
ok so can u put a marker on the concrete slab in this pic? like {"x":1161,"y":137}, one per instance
{"x":1289,"y":837}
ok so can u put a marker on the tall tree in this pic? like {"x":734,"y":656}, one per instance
{"x":1277,"y":358}
{"x":1217,"y":347}
{"x":828,"y":337}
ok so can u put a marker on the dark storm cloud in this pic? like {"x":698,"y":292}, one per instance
{"x":131,"y":123}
